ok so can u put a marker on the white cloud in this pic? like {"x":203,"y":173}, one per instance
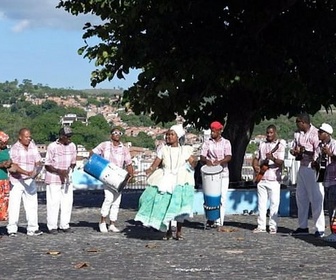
{"x":21,"y":25}
{"x":26,"y":14}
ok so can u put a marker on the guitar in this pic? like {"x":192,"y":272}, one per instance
{"x":322,"y":162}
{"x":299,"y":156}
{"x":264,"y":165}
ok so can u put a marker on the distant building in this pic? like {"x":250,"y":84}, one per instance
{"x":82,"y":152}
{"x":69,"y":119}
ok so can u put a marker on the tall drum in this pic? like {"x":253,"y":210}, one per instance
{"x":212,"y":185}
{"x":114,"y":177}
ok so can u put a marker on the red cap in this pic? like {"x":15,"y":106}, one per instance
{"x":216,"y":125}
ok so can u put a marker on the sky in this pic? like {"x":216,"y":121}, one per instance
{"x":40,"y":43}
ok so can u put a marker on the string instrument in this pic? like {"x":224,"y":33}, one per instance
{"x":299,"y":156}
{"x":322,"y":164}
{"x":264,"y":165}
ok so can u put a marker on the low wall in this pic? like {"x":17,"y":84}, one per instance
{"x":243,"y":197}
{"x":238,"y":200}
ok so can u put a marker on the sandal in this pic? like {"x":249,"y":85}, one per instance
{"x":179,"y":237}
{"x":168,"y":236}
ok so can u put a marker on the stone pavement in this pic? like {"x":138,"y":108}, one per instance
{"x":138,"y":253}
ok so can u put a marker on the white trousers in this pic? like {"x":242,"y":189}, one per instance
{"x":268,"y":191}
{"x":309,"y":191}
{"x":27,"y":191}
{"x":111,"y":205}
{"x":225,"y":187}
{"x":59,"y":199}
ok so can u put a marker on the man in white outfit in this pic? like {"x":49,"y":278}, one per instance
{"x":267,"y":165}
{"x":26,"y":161}
{"x":60,"y":162}
{"x":117,"y":153}
{"x":308,"y":191}
{"x":217,"y":151}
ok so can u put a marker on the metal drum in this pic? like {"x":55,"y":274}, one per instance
{"x":212,"y":185}
{"x":114,"y":177}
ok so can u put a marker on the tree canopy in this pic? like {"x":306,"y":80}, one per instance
{"x":239,"y":61}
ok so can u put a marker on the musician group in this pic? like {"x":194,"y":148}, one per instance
{"x":315,"y":149}
{"x":171,"y":177}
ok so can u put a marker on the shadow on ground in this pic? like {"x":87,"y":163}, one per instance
{"x":95,"y":198}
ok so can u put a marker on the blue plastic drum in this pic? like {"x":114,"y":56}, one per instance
{"x":212,"y":185}
{"x":111,"y":175}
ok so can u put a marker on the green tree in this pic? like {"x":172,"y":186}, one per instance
{"x":251,"y":148}
{"x":49,"y":105}
{"x":89,"y":136}
{"x":11,"y":123}
{"x":239,"y":61}
{"x":93,"y":101}
{"x":141,"y":140}
{"x":45,"y":128}
{"x":100,"y":122}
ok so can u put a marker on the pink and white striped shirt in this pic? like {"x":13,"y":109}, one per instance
{"x":310,"y":141}
{"x":217,"y":150}
{"x":119,"y":155}
{"x":273,"y":173}
{"x":25,"y":158}
{"x":61,"y":157}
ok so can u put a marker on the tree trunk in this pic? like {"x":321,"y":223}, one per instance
{"x":238,"y":130}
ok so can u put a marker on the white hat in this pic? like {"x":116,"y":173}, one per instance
{"x":327,"y":128}
{"x":178,"y":128}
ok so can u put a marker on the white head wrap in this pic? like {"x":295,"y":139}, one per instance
{"x":178,"y":128}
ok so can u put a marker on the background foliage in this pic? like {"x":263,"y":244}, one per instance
{"x":44,"y":119}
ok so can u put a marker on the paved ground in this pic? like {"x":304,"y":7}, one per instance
{"x":138,"y":253}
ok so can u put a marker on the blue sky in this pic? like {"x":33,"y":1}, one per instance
{"x":40,"y":43}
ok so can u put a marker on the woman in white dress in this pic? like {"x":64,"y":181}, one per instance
{"x":169,"y":196}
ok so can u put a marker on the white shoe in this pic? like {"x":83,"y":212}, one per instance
{"x":330,"y":238}
{"x":259,"y":230}
{"x":113,"y":228}
{"x":103,"y":227}
{"x":34,"y":232}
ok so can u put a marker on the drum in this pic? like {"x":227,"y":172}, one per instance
{"x":114,"y":177}
{"x":212,"y":185}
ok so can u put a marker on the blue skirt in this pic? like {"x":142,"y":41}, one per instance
{"x":157,"y":209}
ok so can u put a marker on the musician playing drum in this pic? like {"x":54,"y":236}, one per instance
{"x":115,"y":152}
{"x":267,"y":165}
{"x":217,"y":151}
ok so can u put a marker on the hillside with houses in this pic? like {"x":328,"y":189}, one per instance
{"x":110,"y":106}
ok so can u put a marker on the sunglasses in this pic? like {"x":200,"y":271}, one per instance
{"x":321,"y":131}
{"x":116,"y":133}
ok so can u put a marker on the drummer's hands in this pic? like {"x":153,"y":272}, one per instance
{"x":192,"y":161}
{"x":130,"y":177}
{"x":149,"y":171}
{"x":212,"y":163}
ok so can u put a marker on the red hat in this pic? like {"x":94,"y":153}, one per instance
{"x":216,"y":125}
